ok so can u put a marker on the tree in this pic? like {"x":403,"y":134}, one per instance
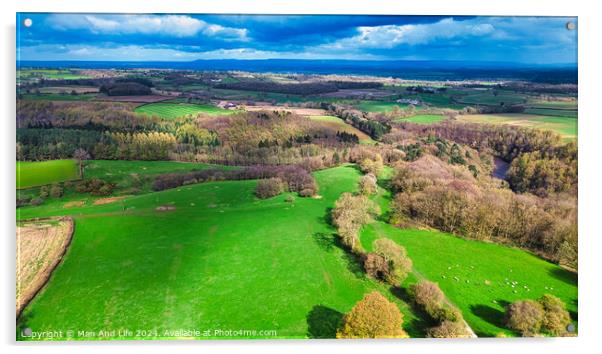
{"x":350,"y":213}
{"x":399,"y":264}
{"x":368,"y":184}
{"x":373,"y":317}
{"x":376,"y":266}
{"x":374,"y":166}
{"x":525,"y":317}
{"x":556,"y":318}
{"x":80,"y":155}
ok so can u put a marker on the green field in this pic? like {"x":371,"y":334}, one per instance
{"x":32,"y":174}
{"x":565,"y":126}
{"x":423,"y":119}
{"x":49,"y":74}
{"x":553,"y":112}
{"x":379,"y":106}
{"x":477,"y":276}
{"x":487,"y":97}
{"x":222,"y":260}
{"x":130,"y":177}
{"x":175,"y":110}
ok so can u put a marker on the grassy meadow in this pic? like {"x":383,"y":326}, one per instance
{"x":33,"y":174}
{"x":479,"y":278}
{"x":224,"y":258}
{"x":175,"y":110}
{"x":423,"y":119}
{"x":565,"y":126}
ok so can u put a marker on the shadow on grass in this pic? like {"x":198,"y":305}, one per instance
{"x":490,"y":315}
{"x":329,"y":241}
{"x":323,"y":322}
{"x":328,"y":217}
{"x":325,"y":240}
{"x":564,"y":275}
{"x":416,"y":327}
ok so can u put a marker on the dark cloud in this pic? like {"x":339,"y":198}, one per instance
{"x":188,"y":37}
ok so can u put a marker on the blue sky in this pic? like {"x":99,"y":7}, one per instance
{"x":180,"y":37}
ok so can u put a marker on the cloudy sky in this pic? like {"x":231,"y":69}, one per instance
{"x":189,"y":37}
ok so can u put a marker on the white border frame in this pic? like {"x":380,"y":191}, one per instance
{"x":589,"y":195}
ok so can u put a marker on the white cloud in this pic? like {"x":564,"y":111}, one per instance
{"x":164,"y":25}
{"x":140,"y":53}
{"x":390,"y":36}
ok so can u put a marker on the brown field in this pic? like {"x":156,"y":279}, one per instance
{"x":134,"y":99}
{"x":297,"y":110}
{"x":335,"y":124}
{"x":74,"y":204}
{"x":41,"y":245}
{"x":68,"y":89}
{"x":108,"y":200}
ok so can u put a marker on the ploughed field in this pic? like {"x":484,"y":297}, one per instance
{"x":32,"y":174}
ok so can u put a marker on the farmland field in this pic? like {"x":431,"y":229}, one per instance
{"x":480,"y":286}
{"x":379,"y":106}
{"x":553,"y":112}
{"x":59,"y":97}
{"x":565,"y":126}
{"x":220,"y":260}
{"x":175,"y":110}
{"x":32,"y":174}
{"x":493,"y":98}
{"x":337,"y":124}
{"x":423,"y":119}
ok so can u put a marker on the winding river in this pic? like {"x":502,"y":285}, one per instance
{"x":500,"y":168}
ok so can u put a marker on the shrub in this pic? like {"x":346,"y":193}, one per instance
{"x":447,"y":313}
{"x":289,"y":199}
{"x":368,"y":184}
{"x":307,"y":192}
{"x":556,"y":318}
{"x":95,"y":186}
{"x":525,"y":317}
{"x":267,"y":188}
{"x":44,"y":193}
{"x":56,"y":191}
{"x":448,"y":329}
{"x":373,"y":317}
{"x":23,"y":201}
{"x":37,"y":201}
